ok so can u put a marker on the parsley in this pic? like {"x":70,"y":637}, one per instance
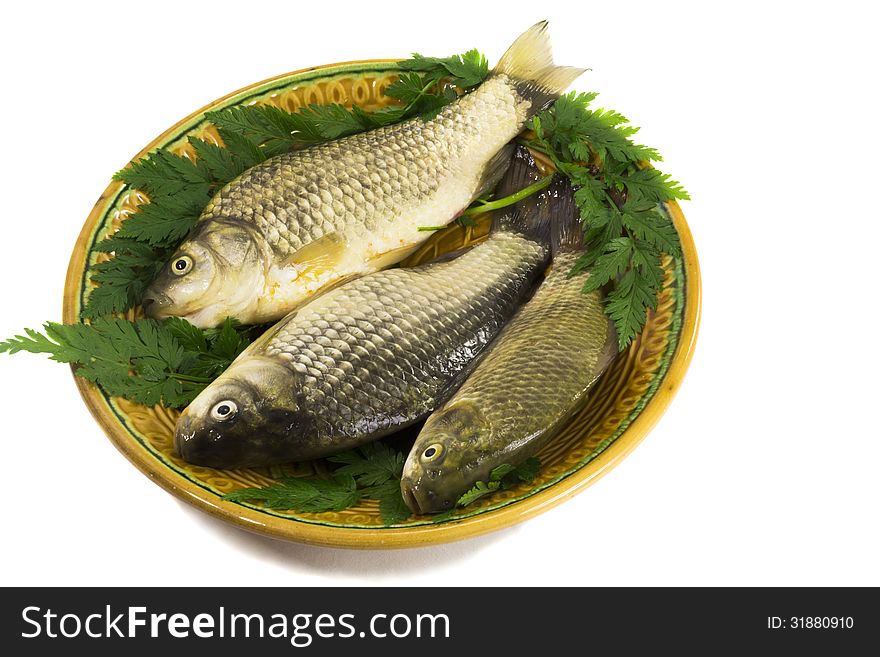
{"x":625,"y":228}
{"x":147,"y":361}
{"x":371,"y":465}
{"x":372,"y":471}
{"x":480,"y":489}
{"x":502,"y":477}
{"x":306,"y":495}
{"x":465,"y":71}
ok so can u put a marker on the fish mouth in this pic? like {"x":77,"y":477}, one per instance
{"x":410,"y":498}
{"x":424,"y":501}
{"x":155,"y":303}
{"x":183,"y":435}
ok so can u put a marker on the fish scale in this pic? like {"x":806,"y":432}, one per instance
{"x":518,"y":387}
{"x":391,"y":374}
{"x":347,"y":186}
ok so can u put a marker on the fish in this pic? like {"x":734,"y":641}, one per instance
{"x":373,"y":355}
{"x":300,"y":222}
{"x":536,"y":374}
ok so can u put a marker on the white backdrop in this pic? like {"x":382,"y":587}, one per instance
{"x":763,"y":470}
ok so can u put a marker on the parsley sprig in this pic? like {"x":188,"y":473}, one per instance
{"x":150,"y":362}
{"x":370,"y":471}
{"x":625,"y":226}
{"x":502,"y":477}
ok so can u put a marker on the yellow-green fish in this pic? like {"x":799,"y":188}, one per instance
{"x":302,"y":221}
{"x":535,"y":375}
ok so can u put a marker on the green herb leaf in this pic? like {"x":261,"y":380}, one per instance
{"x":628,"y":303}
{"x":306,"y":495}
{"x":222,"y":163}
{"x":466,"y":70}
{"x":165,"y":221}
{"x":392,"y":506}
{"x":143,"y":361}
{"x":625,"y":229}
{"x":480,"y":489}
{"x":498,"y":473}
{"x":527,"y":471}
{"x":654,"y":228}
{"x":501,"y":477}
{"x":371,"y":465}
{"x":372,"y":470}
{"x":122,"y":279}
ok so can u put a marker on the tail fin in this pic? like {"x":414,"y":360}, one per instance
{"x":521,"y":172}
{"x":529,"y":64}
{"x":566,"y":234}
{"x":531,"y":216}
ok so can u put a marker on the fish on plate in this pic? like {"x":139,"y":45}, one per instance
{"x":306,"y":220}
{"x":534,"y":376}
{"x":373,"y":355}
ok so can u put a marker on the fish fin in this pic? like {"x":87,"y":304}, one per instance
{"x":449,"y":255}
{"x":566,"y":233}
{"x":522,"y":172}
{"x":529,"y":64}
{"x":609,"y":350}
{"x":323,"y":254}
{"x":495,"y":169}
{"x":533,"y":217}
{"x":392,"y":257}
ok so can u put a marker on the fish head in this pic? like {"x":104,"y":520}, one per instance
{"x":450,"y":455}
{"x":217,"y":272}
{"x":248,"y":417}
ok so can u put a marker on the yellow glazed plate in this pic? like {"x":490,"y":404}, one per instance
{"x":623,"y":406}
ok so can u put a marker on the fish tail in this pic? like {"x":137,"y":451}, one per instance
{"x":566,"y":234}
{"x":529,"y":64}
{"x":531,"y":216}
{"x":522,"y":171}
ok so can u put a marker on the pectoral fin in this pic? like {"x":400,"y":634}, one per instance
{"x":319,"y":257}
{"x":392,"y":257}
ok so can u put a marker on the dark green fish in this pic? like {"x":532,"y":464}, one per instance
{"x":536,"y":374}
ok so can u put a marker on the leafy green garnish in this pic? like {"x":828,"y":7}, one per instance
{"x":371,"y":465}
{"x":625,"y":228}
{"x":147,"y":361}
{"x":501,"y":477}
{"x":464,"y":71}
{"x":372,"y":471}
{"x":306,"y":495}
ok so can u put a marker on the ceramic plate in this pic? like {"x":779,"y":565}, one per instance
{"x":623,"y":406}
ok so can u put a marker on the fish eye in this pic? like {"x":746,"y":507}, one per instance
{"x":181,"y":265}
{"x":224,"y":410}
{"x":432,"y":452}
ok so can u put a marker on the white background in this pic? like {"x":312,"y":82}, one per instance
{"x":763,"y":470}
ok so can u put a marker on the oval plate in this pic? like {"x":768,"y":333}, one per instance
{"x":622,"y":408}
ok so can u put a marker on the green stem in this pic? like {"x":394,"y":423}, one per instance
{"x":509,"y":200}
